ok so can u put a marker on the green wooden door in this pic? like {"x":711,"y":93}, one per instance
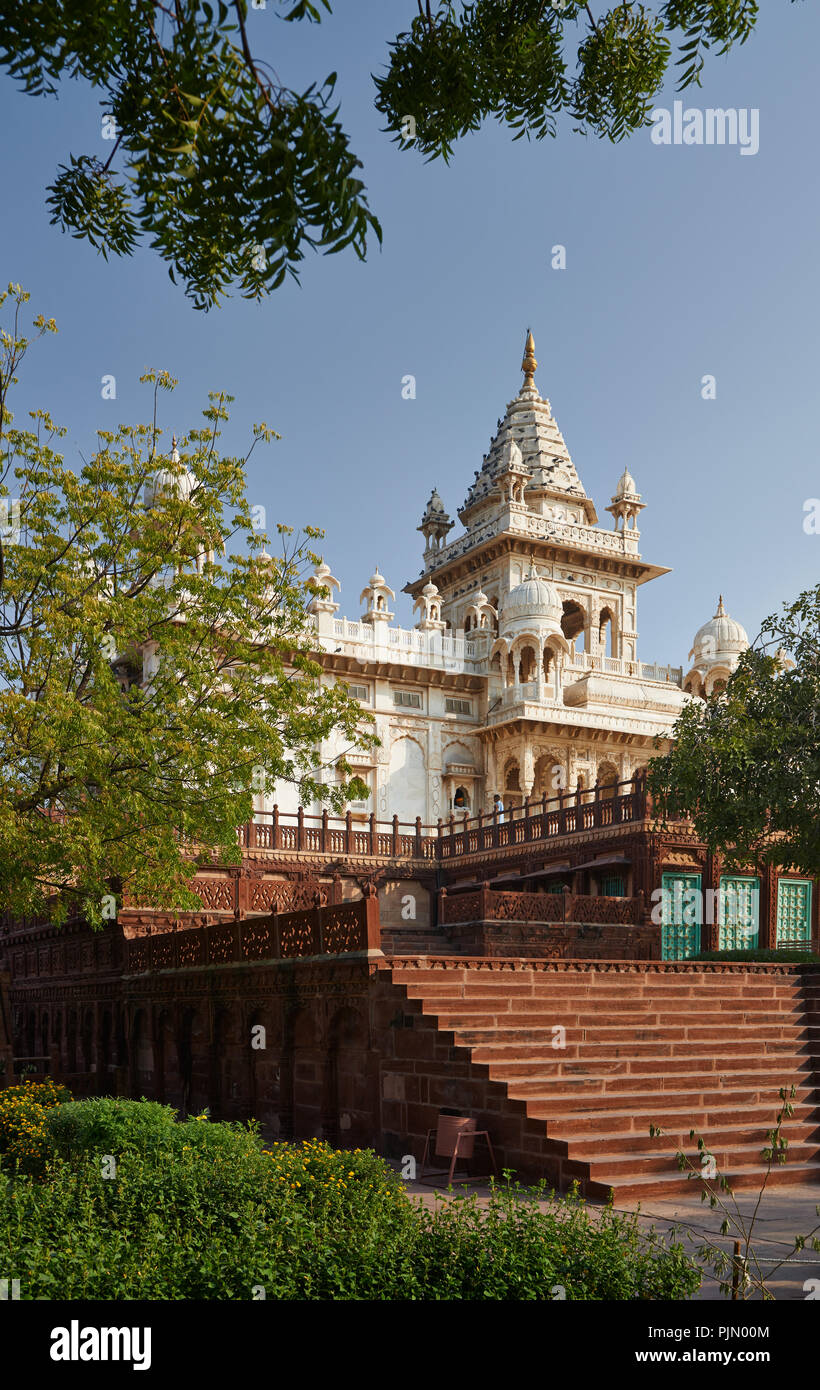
{"x":739,"y":913}
{"x":793,"y":912}
{"x":680,"y":929}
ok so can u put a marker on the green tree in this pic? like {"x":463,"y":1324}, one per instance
{"x":745,"y":765}
{"x":232,"y":175}
{"x":150,"y":681}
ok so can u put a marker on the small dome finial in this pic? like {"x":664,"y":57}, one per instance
{"x":529,"y":363}
{"x":721,"y":611}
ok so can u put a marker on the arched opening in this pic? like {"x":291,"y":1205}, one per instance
{"x":606,"y":632}
{"x":104,"y":1064}
{"x":71,"y":1041}
{"x":574,"y":621}
{"x":217,"y":1062}
{"x":407,"y":780}
{"x":308,"y":1076}
{"x":88,"y":1040}
{"x":511,"y":794}
{"x":141,"y":1056}
{"x":461,"y":800}
{"x":527,"y":664}
{"x":607,"y":779}
{"x":347,"y":1081}
{"x":550,"y":778}
{"x":167,"y":1084}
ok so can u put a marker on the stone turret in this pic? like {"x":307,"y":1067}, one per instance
{"x":626,"y":504}
{"x":375,"y":596}
{"x":428,"y":606}
{"x":435,"y":524}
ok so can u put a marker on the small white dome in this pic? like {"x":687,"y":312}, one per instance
{"x":534,"y":600}
{"x":720,"y":641}
{"x":167,"y":482}
{"x":626,"y":486}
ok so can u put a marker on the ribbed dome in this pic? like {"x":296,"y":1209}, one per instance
{"x":719,"y":639}
{"x":534,"y":600}
{"x":165,"y":483}
{"x":626,"y":486}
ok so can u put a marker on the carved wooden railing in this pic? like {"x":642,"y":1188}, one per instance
{"x":340,"y":929}
{"x":547,"y":819}
{"x":487,"y":905}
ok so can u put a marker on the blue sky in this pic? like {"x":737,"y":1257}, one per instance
{"x":681,"y":261}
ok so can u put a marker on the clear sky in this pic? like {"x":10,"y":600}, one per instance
{"x":682,"y":261}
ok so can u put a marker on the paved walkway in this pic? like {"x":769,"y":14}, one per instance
{"x":784,"y":1213}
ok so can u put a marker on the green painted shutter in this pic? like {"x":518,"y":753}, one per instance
{"x":739,"y":913}
{"x":793,"y":912}
{"x":680,"y":929}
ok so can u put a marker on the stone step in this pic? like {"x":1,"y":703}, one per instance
{"x":648,"y":1085}
{"x":581,"y":1126}
{"x":682,"y":1048}
{"x":467,"y":1024}
{"x":725,"y":1034}
{"x":787,"y":1067}
{"x":615,"y":1005}
{"x":461,"y":983}
{"x":717,"y":1138}
{"x":673,"y":1056}
{"x":529,"y":975}
{"x":638,"y":1188}
{"x":545,"y":1102}
{"x":612,"y":1166}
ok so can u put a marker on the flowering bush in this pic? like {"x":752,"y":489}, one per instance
{"x":24,"y":1139}
{"x":207,"y":1212}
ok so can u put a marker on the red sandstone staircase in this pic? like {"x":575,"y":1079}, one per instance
{"x":676,"y":1047}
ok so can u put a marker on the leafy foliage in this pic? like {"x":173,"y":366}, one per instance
{"x":108,"y":1125}
{"x":208,"y":1213}
{"x":228,"y":172}
{"x":232,"y":175}
{"x":745,"y":765}
{"x":150,"y":680}
{"x":466,"y":62}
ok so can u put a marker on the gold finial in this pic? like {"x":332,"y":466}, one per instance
{"x":529,"y":363}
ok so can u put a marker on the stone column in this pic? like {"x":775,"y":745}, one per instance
{"x":527,"y":766}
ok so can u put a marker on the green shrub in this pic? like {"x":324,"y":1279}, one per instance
{"x":109,"y":1126}
{"x":512,"y":1249}
{"x":207,"y":1213}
